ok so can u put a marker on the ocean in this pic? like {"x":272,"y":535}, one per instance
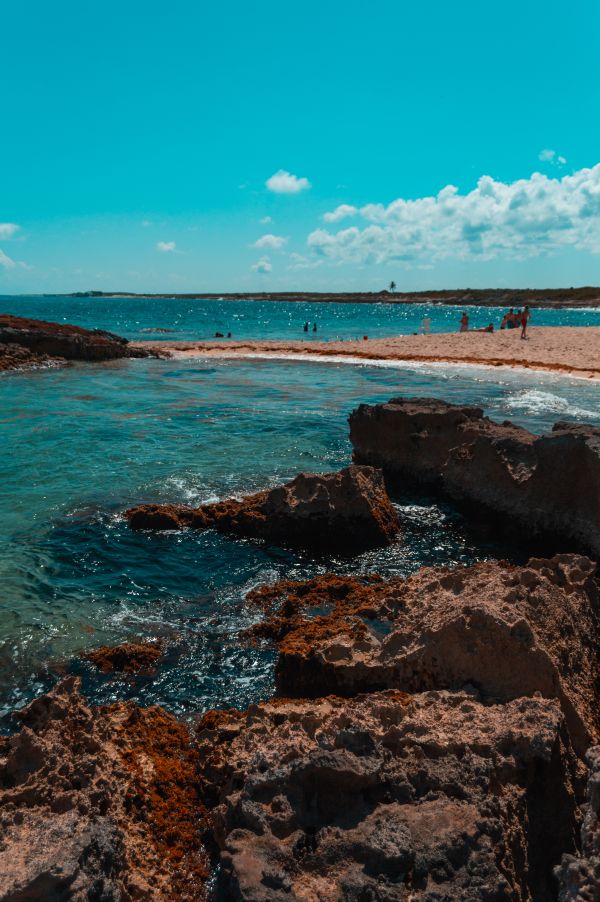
{"x":83,"y":443}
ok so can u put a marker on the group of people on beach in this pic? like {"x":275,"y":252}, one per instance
{"x":512,"y":319}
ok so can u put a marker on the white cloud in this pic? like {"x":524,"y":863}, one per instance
{"x":166,"y":246}
{"x":340,"y":213}
{"x":146,"y":223}
{"x":526,"y":218}
{"x":6,"y":262}
{"x":283,"y":182}
{"x":273,"y":242}
{"x":265,"y":220}
{"x":8,"y":229}
{"x":263,"y":265}
{"x":550,"y":156}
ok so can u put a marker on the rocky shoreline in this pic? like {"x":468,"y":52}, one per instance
{"x":26,"y":343}
{"x":431,"y":738}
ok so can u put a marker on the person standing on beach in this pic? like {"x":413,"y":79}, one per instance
{"x":464,"y":322}
{"x":525,"y":315}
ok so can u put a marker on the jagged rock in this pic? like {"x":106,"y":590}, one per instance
{"x":98,"y":804}
{"x":129,"y":657}
{"x":548,"y":485}
{"x":579,"y":876}
{"x":346,"y":511}
{"x":511,"y":631}
{"x":24,"y":342}
{"x":388,"y":797}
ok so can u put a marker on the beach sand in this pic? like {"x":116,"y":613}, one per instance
{"x":565,"y":349}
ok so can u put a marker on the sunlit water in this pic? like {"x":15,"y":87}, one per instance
{"x":83,"y":443}
{"x":137,"y":318}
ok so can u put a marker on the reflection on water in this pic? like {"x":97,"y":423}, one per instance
{"x":95,"y":440}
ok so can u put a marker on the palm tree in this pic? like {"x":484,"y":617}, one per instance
{"x":392,"y":287}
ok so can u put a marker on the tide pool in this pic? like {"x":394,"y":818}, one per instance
{"x":83,"y":443}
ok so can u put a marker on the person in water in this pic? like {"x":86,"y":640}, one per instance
{"x":306,"y":327}
{"x":525,"y":315}
{"x":464,"y":322}
{"x":315,"y":327}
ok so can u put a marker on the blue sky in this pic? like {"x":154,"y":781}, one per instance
{"x":139,"y":141}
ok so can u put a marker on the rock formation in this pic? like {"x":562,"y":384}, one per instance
{"x":27,"y":342}
{"x":510,"y":631}
{"x":547,"y":485}
{"x":99,"y":804}
{"x":129,"y":657}
{"x":390,"y":797}
{"x":579,"y":876}
{"x":347,"y":512}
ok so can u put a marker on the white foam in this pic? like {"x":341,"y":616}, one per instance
{"x":536,"y":401}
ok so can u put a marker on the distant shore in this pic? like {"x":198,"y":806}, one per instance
{"x":568,"y":350}
{"x":588,"y":296}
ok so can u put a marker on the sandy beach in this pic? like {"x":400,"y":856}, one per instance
{"x":569,"y":350}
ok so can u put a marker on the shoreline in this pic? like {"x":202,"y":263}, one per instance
{"x":563,"y":350}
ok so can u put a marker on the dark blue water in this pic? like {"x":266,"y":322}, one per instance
{"x":200,"y":319}
{"x":83,"y":443}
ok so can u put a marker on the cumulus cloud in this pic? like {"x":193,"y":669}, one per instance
{"x":263,"y":265}
{"x":265,"y":220}
{"x":283,"y":182}
{"x":273,"y":242}
{"x":522,"y":219}
{"x":550,"y":156}
{"x":8,"y":229}
{"x":340,"y":213}
{"x":166,"y":246}
{"x":6,"y":262}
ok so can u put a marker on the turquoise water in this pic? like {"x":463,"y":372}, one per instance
{"x":132,"y":317}
{"x":83,"y":443}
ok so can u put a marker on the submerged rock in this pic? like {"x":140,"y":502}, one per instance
{"x":99,"y":804}
{"x":26,"y":342}
{"x":547,"y":485}
{"x":390,"y":797}
{"x":347,"y":511}
{"x":129,"y":657}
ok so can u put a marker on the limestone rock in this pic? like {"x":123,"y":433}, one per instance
{"x":347,"y":511}
{"x":388,"y":797}
{"x":547,"y":485}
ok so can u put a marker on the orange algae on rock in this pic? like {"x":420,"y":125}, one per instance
{"x":129,"y":657}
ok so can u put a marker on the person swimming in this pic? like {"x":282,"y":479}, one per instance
{"x":464,"y":322}
{"x":306,"y":327}
{"x":315,"y":327}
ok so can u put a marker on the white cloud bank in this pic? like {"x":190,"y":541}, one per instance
{"x":166,"y":246}
{"x":283,"y":182}
{"x":273,"y":242}
{"x":6,"y":262}
{"x":526,"y":218}
{"x":263,"y":265}
{"x":8,"y":229}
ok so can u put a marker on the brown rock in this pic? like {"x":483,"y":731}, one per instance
{"x":579,"y":875}
{"x":129,"y":657}
{"x":99,"y":804}
{"x":510,"y":631}
{"x":26,"y":342}
{"x":388,"y":797}
{"x":346,"y":511}
{"x":548,"y":485}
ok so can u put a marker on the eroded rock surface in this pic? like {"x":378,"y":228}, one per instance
{"x":99,"y":804}
{"x":390,"y":797}
{"x":579,"y":876}
{"x":29,"y":342}
{"x":129,"y":657}
{"x":548,"y":485}
{"x":511,"y":631}
{"x":346,"y":511}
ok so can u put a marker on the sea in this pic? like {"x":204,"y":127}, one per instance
{"x":82,"y":443}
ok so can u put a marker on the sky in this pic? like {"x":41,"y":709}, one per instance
{"x":318,"y":146}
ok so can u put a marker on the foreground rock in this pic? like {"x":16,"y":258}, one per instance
{"x":579,"y":876}
{"x":510,"y":631}
{"x":29,"y":342}
{"x":347,"y":511}
{"x":548,"y":485}
{"x":99,"y":804}
{"x":390,"y":797}
{"x":129,"y":657}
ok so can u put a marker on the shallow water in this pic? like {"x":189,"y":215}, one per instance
{"x":200,"y":319}
{"x":83,"y":443}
